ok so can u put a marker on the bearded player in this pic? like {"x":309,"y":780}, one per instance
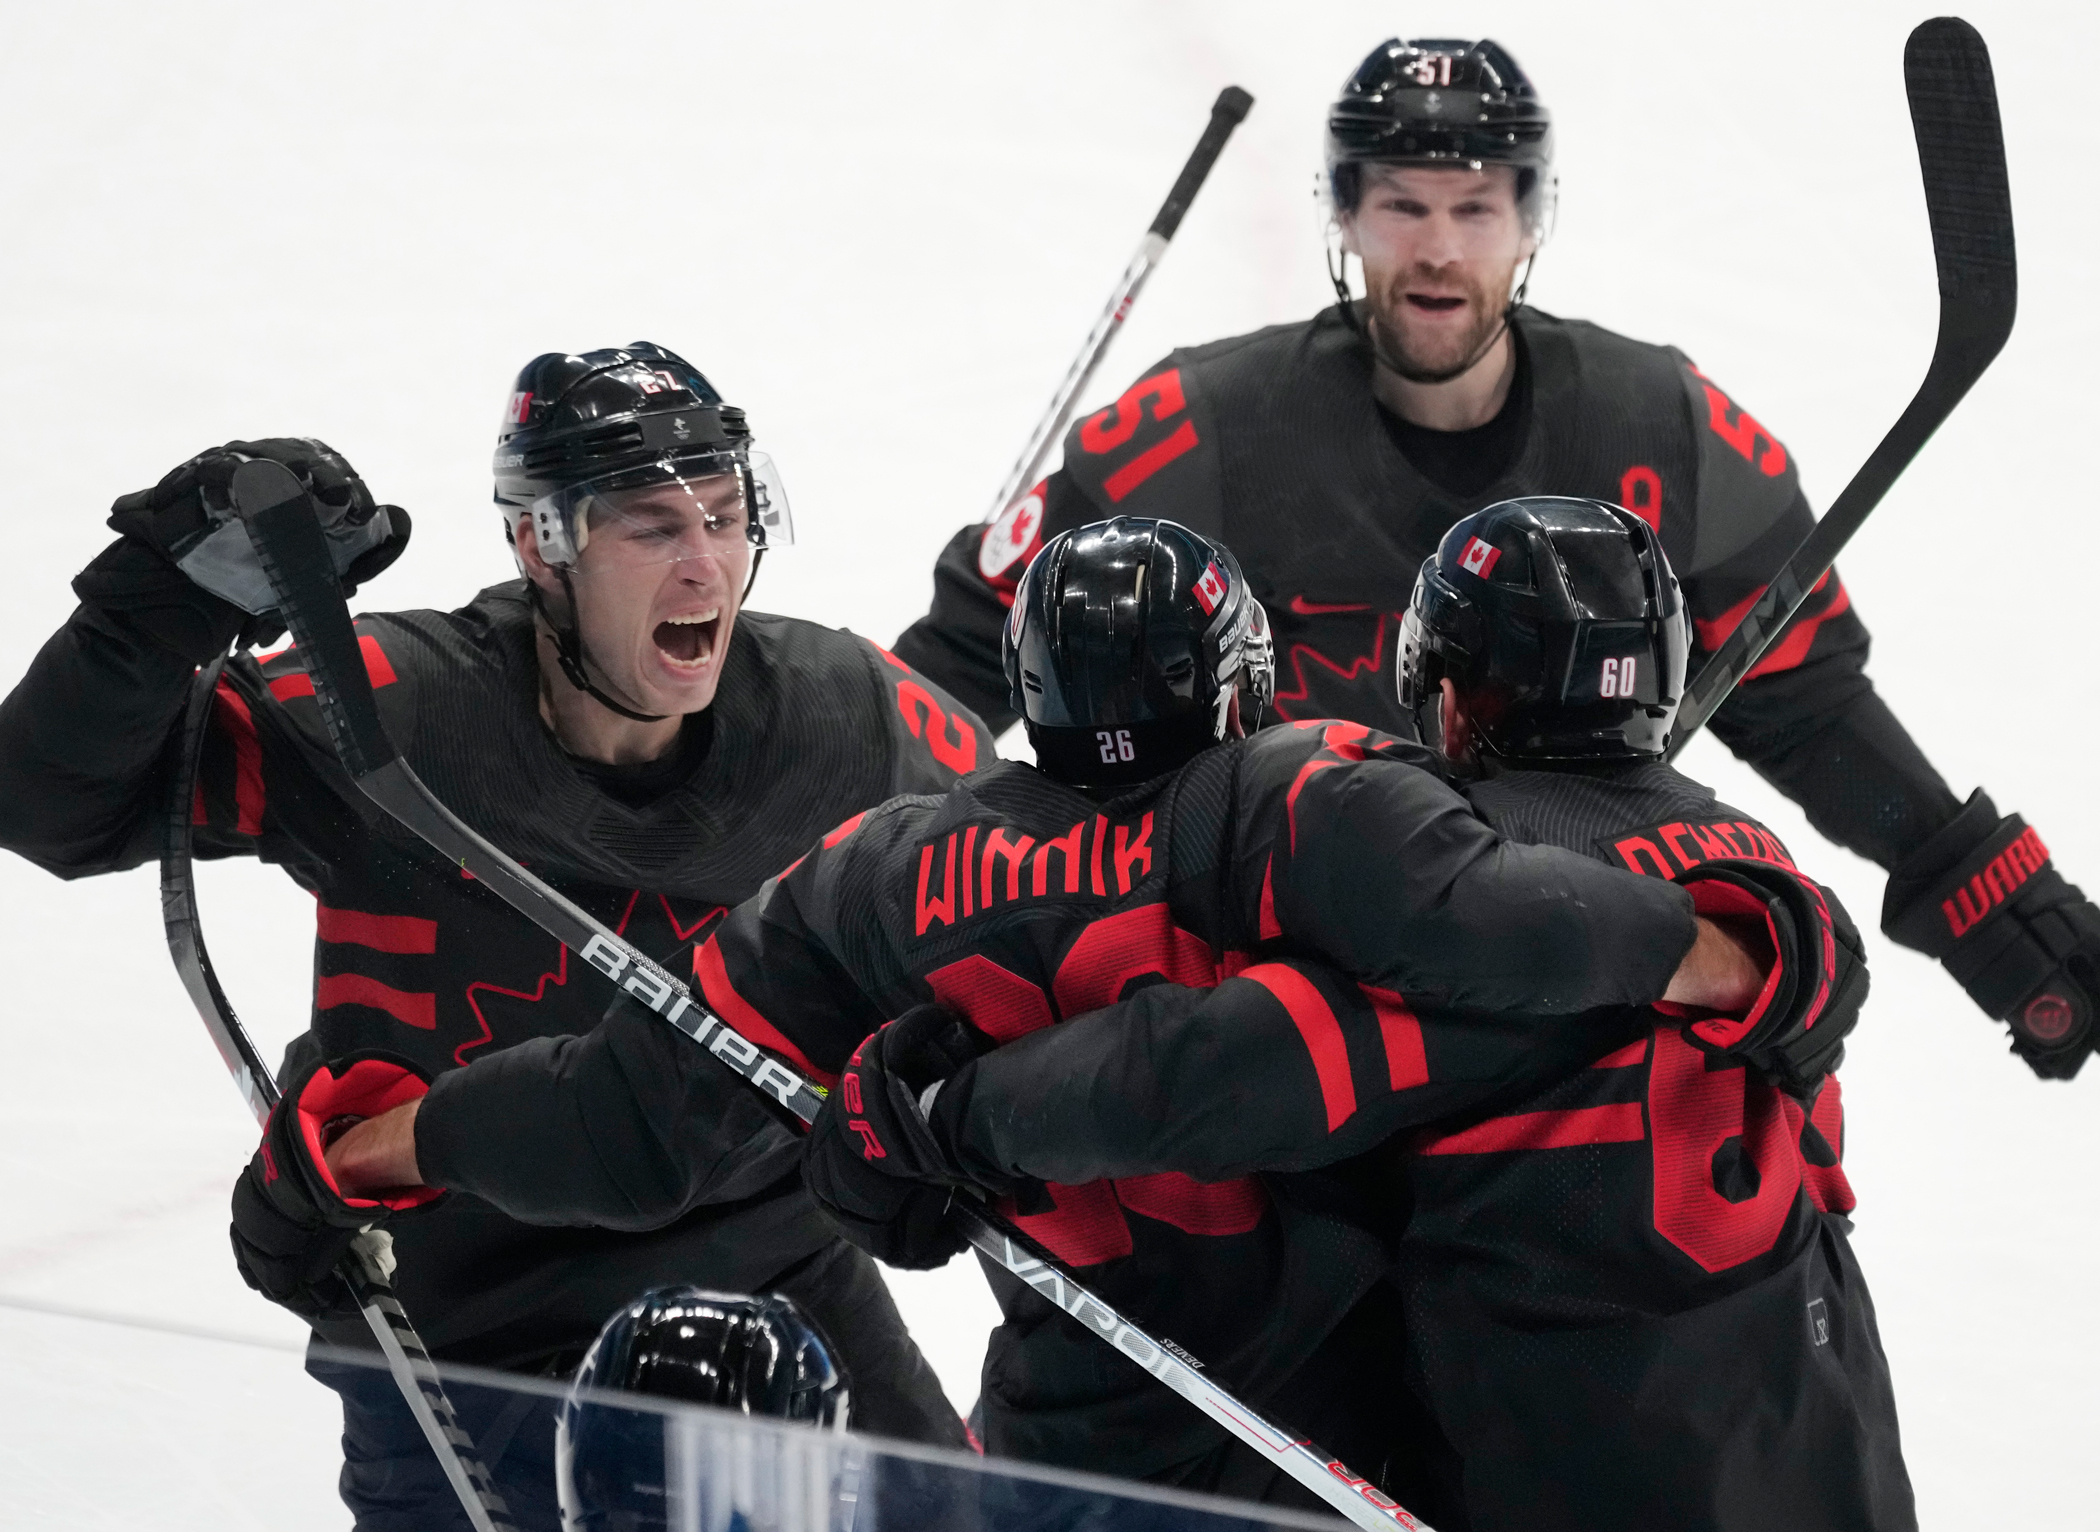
{"x":1332,"y":454}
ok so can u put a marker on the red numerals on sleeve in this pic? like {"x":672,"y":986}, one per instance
{"x":1739,"y":428}
{"x":1115,"y":426}
{"x":928,"y":720}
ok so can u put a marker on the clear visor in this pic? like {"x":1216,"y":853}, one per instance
{"x":673,"y":509}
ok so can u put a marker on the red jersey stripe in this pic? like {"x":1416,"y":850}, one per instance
{"x":1792,"y":648}
{"x":1085,"y":1228}
{"x":382,"y":933}
{"x":1314,"y":1018}
{"x":733,"y":1008}
{"x":1624,"y":1058}
{"x":239,"y":724}
{"x":334,"y":989}
{"x":300,"y":684}
{"x":1196,"y":1207}
{"x":1618,"y":1124}
{"x":1406,"y":1064}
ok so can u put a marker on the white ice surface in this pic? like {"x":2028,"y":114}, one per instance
{"x":882,"y":230}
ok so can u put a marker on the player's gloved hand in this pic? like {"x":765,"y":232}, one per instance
{"x":290,"y":1225}
{"x":873,"y":1160}
{"x":1984,"y":898}
{"x":184,"y":564}
{"x":1796,"y":1028}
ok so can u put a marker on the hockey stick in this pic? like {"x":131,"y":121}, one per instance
{"x":367,"y":1270}
{"x":288,"y":540}
{"x":1225,"y":115}
{"x":1961,"y":152}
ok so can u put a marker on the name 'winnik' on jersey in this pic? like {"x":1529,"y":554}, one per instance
{"x":1094,"y":850}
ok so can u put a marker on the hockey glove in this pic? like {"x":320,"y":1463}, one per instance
{"x":290,"y":1225}
{"x":185,"y":568}
{"x":1795,"y":1030}
{"x":1984,"y":898}
{"x":873,"y":1161}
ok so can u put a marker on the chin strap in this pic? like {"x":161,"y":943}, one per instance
{"x":1338,"y":274}
{"x":568,"y":648}
{"x":568,"y":640}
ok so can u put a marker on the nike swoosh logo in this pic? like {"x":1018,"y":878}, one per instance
{"x":1305,"y":608}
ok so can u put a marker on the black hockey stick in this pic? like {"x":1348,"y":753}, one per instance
{"x":294,"y":554}
{"x":367,"y":1271}
{"x":1961,"y":152}
{"x":1226,"y":114}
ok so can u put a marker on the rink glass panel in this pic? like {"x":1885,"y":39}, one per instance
{"x":111,"y":1424}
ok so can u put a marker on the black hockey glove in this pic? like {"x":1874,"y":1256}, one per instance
{"x":185,"y":569}
{"x":1984,"y":898}
{"x":1795,"y":1030}
{"x":873,"y":1161}
{"x":290,"y":1224}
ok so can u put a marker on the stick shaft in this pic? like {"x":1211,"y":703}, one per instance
{"x":1961,"y":159}
{"x":1225,"y":115}
{"x":364,"y":1272}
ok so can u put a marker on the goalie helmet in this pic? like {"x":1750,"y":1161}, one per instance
{"x":1561,"y":627}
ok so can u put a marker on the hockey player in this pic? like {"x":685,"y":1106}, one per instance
{"x":1332,"y":454}
{"x":619,"y":719}
{"x":1142,"y":851}
{"x":1626,"y":1298}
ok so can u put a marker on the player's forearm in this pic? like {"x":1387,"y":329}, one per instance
{"x":1209,"y":1082}
{"x":1394,"y":881}
{"x":1287,"y":1067}
{"x":628,"y":1127}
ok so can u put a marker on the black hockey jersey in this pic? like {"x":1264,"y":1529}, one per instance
{"x":1020,"y":901}
{"x":1625,"y":1295}
{"x":809,"y":724}
{"x":1275,"y":443}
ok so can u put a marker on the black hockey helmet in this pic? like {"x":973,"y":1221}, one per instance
{"x":634,"y":436}
{"x":1442,"y":101}
{"x":1561,"y":626}
{"x":757,"y":1356}
{"x":1128,"y":640}
{"x":580,"y":429}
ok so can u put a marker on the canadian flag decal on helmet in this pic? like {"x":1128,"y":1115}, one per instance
{"x":1210,"y":590}
{"x":1479,"y":557}
{"x":520,"y":407}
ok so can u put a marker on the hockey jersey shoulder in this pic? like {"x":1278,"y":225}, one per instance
{"x":405,"y":654}
{"x":1685,"y":457}
{"x":1158,"y":450}
{"x":1649,"y":819}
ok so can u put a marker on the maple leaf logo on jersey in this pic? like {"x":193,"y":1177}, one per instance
{"x":1479,"y":557}
{"x":1210,"y":590}
{"x":1015,"y":535}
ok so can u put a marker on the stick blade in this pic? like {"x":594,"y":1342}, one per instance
{"x":1961,"y":154}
